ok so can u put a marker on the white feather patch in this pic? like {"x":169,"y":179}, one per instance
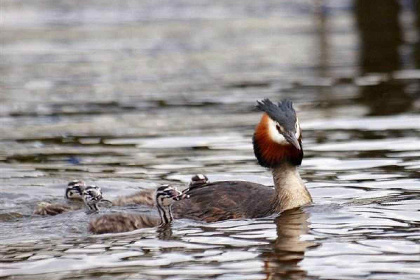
{"x":274,"y":134}
{"x":297,"y":129}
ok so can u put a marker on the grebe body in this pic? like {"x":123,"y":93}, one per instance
{"x":224,"y":200}
{"x":164,"y":197}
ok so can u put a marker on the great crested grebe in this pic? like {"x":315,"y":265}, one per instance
{"x":164,"y":197}
{"x":278,"y":146}
{"x":74,"y":196}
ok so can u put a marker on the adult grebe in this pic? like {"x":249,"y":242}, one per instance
{"x":277,"y":145}
{"x":165,"y":196}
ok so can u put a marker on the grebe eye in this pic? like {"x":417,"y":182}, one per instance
{"x":279,"y":128}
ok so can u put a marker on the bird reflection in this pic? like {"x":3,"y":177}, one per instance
{"x":282,"y":262}
{"x":164,"y":232}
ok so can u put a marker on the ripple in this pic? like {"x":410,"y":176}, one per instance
{"x":218,"y":240}
{"x":350,"y":164}
{"x":174,"y":142}
{"x":160,"y":244}
{"x":405,"y":144}
{"x":230,"y":256}
{"x":393,"y":246}
{"x":402,"y":122}
{"x":18,"y":172}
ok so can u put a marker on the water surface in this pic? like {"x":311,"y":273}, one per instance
{"x":130,"y":95}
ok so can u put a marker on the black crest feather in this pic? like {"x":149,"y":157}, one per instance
{"x":282,"y":112}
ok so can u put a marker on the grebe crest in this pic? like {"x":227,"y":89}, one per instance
{"x":278,"y":136}
{"x":91,"y":196}
{"x":75,"y":190}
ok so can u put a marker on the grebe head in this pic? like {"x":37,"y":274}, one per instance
{"x":75,"y":189}
{"x":198,"y":179}
{"x":278,"y":137}
{"x":91,"y":196}
{"x":166,"y":195}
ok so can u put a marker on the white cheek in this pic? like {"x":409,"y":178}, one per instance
{"x":274,"y":134}
{"x":297,"y":131}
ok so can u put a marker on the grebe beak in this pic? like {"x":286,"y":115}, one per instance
{"x":291,"y":138}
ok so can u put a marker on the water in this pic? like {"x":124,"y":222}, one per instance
{"x":132,"y":94}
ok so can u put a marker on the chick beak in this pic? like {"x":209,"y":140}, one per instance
{"x":291,"y":138}
{"x":97,"y":198}
{"x":182,"y":195}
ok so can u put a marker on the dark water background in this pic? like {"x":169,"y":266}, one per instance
{"x":131,"y":94}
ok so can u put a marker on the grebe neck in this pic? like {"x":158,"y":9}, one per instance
{"x":165,"y":214}
{"x":290,"y":189}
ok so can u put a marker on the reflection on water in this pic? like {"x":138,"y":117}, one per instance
{"x":282,"y":260}
{"x":129,"y":95}
{"x":417,"y":44}
{"x":380,"y":35}
{"x":381,"y":41}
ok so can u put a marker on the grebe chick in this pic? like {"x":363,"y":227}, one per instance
{"x":198,"y":180}
{"x":73,"y":194}
{"x":165,"y":196}
{"x":146,"y":197}
{"x":278,"y":146}
{"x":92,"y":195}
{"x":74,"y":190}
